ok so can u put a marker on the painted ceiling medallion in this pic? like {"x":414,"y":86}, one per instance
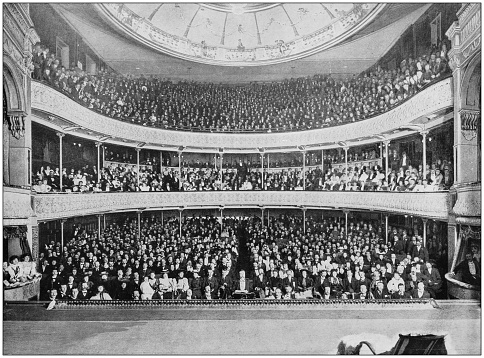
{"x":240,"y":34}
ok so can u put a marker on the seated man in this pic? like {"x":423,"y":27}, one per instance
{"x":470,"y":270}
{"x":101,"y":295}
{"x":420,"y":291}
{"x":401,"y":294}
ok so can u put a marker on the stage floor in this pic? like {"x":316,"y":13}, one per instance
{"x":31,"y":330}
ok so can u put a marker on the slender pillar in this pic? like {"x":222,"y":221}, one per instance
{"x":99,"y":227}
{"x":304,"y":220}
{"x":139,"y":224}
{"x":268,"y":162}
{"x":322,"y":160}
{"x":60,"y":135}
{"x":304,"y":170}
{"x":346,"y":223}
{"x":268,"y":218}
{"x":424,"y":153}
{"x":162,"y":218}
{"x":263,"y":182}
{"x":180,"y":221}
{"x":179,"y":170}
{"x":221,"y":220}
{"x":215,"y":161}
{"x":386,"y":229}
{"x":221,"y":161}
{"x":104,"y":221}
{"x":62,"y":234}
{"x":161,"y":162}
{"x":346,"y":159}
{"x":98,"y":146}
{"x":387,"y":172}
{"x":262,"y":216}
{"x":381,"y":151}
{"x":137,"y":165}
{"x":424,"y":221}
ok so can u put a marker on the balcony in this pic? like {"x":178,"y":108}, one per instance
{"x":48,"y":100}
{"x":433,"y":205}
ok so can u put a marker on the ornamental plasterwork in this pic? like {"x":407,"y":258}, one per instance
{"x":224,"y":45}
{"x":436,"y":97}
{"x":468,"y":201}
{"x":16,"y":204}
{"x":50,"y":206}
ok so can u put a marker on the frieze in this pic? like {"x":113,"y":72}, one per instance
{"x":51,"y":206}
{"x":473,"y":24}
{"x":472,"y":47}
{"x":436,"y":97}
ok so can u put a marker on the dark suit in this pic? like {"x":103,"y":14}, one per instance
{"x":350,"y":286}
{"x":467,"y":277}
{"x":401,"y":296}
{"x":415,"y":294}
{"x":421,"y":253}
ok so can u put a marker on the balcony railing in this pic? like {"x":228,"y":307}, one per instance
{"x":436,"y":97}
{"x":16,"y":205}
{"x":431,"y":205}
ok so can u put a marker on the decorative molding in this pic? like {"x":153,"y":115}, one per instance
{"x":142,"y":30}
{"x":53,"y":206}
{"x":248,"y":304}
{"x":16,"y":203}
{"x":468,"y":202}
{"x":436,"y":97}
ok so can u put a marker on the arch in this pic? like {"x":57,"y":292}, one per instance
{"x":471,"y":83}
{"x":13,"y":87}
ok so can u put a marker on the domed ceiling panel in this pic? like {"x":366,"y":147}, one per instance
{"x":238,"y":34}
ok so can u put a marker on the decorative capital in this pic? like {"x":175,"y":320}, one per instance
{"x":15,"y":121}
{"x":60,"y":135}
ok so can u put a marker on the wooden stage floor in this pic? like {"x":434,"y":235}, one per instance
{"x":29,"y":329}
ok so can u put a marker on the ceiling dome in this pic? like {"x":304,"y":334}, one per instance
{"x":240,"y":34}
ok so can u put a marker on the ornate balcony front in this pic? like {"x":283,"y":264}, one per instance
{"x":16,"y":206}
{"x":433,"y":205}
{"x":434,"y":98}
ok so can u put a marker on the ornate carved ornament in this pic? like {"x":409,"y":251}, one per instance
{"x":432,"y":205}
{"x":470,"y":123}
{"x":15,"y":122}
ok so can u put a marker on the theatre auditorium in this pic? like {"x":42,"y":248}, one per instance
{"x":241,"y":178}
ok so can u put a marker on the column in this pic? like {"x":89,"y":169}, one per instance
{"x":346,"y":159}
{"x":424,"y":221}
{"x":387,"y":144}
{"x":139,"y":224}
{"x":98,"y":146}
{"x":179,"y":170}
{"x":424,"y":153}
{"x":268,"y":217}
{"x":180,"y":221}
{"x":304,"y":170}
{"x":263,"y":182}
{"x":33,"y":239}
{"x":381,"y":152}
{"x":221,"y":219}
{"x":346,"y":223}
{"x":386,"y":229}
{"x":137,"y":165}
{"x":60,"y":135}
{"x":62,"y":234}
{"x":304,"y":220}
{"x":104,"y":221}
{"x":104,"y":154}
{"x":99,"y":227}
{"x":162,"y":218}
{"x":161,"y":162}
{"x":268,"y":163}
{"x":322,"y":160}
{"x":221,"y":161}
{"x":262,"y":216}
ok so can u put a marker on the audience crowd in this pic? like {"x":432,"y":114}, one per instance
{"x":200,"y":259}
{"x":294,"y":104}
{"x":124,"y":177}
